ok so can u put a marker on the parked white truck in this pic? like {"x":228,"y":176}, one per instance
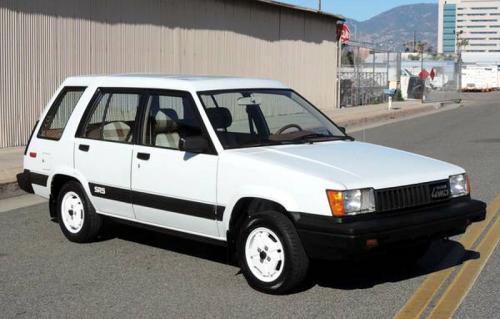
{"x":244,"y":163}
{"x":480,"y":77}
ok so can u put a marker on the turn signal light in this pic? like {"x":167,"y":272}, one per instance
{"x":336,"y":201}
{"x":371,"y":243}
{"x":33,"y":154}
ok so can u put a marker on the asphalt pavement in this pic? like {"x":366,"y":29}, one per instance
{"x":134,"y":273}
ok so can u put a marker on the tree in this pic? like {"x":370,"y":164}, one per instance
{"x":419,"y":46}
{"x":462,"y":43}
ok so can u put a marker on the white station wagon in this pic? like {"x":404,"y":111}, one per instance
{"x":245,"y":163}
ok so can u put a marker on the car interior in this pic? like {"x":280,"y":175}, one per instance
{"x":221,"y":119}
{"x":165,"y":128}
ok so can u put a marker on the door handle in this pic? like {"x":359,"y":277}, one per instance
{"x":143,"y":156}
{"x":83,"y":147}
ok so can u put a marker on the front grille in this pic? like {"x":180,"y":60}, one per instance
{"x":409,"y":196}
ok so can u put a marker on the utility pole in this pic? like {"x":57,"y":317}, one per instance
{"x":319,"y":5}
{"x":421,"y":49}
{"x":414,"y":41}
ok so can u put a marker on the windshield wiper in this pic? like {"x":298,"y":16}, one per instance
{"x":317,"y":137}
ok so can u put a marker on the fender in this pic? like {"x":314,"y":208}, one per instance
{"x":268,"y":193}
{"x":70,"y":171}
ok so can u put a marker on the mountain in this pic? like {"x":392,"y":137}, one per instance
{"x":398,"y":25}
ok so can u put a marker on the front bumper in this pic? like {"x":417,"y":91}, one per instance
{"x":326,"y":237}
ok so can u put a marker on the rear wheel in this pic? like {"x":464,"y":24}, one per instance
{"x":271,"y":255}
{"x":77,"y":217}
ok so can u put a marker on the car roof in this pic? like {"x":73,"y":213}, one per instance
{"x":174,"y":82}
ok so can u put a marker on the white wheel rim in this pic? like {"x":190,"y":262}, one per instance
{"x":72,"y":212}
{"x":264,"y":254}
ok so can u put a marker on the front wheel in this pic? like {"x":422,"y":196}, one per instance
{"x":271,"y":254}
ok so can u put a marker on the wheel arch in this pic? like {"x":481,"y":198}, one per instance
{"x":57,"y":181}
{"x":246,"y":207}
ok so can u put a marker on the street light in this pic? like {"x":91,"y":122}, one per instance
{"x":460,"y":43}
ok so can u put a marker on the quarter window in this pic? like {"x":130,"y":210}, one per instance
{"x":113,"y":117}
{"x":57,"y":117}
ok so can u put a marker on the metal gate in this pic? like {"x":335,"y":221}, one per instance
{"x":365,"y":71}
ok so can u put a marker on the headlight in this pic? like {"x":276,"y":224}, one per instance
{"x":459,"y":185}
{"x":351,"y":202}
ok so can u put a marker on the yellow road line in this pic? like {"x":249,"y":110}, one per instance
{"x":467,"y":276}
{"x":419,"y":301}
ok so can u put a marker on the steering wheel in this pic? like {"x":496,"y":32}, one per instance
{"x":289,"y":126}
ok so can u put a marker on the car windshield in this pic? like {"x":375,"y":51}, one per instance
{"x":250,"y":118}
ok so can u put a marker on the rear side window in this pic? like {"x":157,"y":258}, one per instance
{"x":59,"y":113}
{"x":113,"y":117}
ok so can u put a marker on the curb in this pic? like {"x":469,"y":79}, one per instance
{"x":395,"y":114}
{"x":10,"y":189}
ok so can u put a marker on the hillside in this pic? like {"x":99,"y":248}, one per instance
{"x":398,"y":24}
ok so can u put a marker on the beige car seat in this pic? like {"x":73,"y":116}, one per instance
{"x":165,"y":129}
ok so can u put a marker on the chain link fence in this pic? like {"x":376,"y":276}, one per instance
{"x":366,"y":72}
{"x":431,"y":78}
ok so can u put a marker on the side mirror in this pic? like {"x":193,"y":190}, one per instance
{"x":194,"y":144}
{"x":342,"y":129}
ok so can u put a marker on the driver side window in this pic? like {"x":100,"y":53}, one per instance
{"x":169,"y":118}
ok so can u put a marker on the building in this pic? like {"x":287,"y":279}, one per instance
{"x":478,"y":21}
{"x":44,"y":41}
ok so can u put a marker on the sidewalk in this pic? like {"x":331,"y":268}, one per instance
{"x":355,"y":117}
{"x":351,"y":118}
{"x":11,"y":163}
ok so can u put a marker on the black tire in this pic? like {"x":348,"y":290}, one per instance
{"x":92,"y":221}
{"x":296,"y":262}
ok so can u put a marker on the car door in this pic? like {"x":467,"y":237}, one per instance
{"x":172,"y":188}
{"x":104,"y":146}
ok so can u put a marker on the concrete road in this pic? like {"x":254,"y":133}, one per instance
{"x":134,"y":273}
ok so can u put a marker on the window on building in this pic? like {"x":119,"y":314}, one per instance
{"x":482,"y":44}
{"x":484,"y":8}
{"x":484,"y":20}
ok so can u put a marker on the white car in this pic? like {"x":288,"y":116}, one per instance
{"x":244,"y":163}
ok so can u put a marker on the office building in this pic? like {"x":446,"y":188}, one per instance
{"x":478,"y":21}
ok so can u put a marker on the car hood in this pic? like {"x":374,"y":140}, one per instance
{"x":355,"y":164}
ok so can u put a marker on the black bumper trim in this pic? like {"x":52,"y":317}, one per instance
{"x":324,"y":237}
{"x":26,"y":179}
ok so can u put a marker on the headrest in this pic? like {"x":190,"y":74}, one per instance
{"x":165,"y":121}
{"x":220,"y":117}
{"x":170,"y":113}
